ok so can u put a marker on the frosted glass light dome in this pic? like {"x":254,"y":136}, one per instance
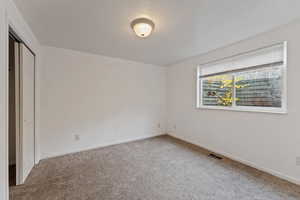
{"x":142,"y":27}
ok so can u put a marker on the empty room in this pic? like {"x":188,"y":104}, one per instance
{"x":149,"y":100}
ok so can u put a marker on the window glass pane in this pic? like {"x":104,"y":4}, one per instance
{"x":217,"y":90}
{"x":260,"y":87}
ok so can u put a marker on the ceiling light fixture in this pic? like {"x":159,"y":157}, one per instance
{"x":142,"y":27}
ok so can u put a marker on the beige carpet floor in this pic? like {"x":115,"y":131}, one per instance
{"x":160,"y":168}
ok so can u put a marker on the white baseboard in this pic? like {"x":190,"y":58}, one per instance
{"x":106,"y":145}
{"x":248,"y":163}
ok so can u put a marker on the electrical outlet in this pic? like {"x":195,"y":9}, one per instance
{"x":298,"y":161}
{"x":77,"y":137}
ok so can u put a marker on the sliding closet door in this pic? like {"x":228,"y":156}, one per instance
{"x":27,"y":138}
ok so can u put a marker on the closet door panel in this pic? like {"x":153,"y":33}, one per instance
{"x":27,"y":62}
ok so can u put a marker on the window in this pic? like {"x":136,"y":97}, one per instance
{"x":253,"y":81}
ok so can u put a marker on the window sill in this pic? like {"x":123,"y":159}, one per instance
{"x":247,"y":109}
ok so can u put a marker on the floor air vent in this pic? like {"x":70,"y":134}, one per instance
{"x":215,"y":156}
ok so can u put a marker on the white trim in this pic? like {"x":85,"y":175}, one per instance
{"x":245,"y":162}
{"x":4,"y":102}
{"x":246,"y":109}
{"x":106,"y":145}
{"x":234,"y":107}
{"x":198,"y":88}
{"x":285,"y":78}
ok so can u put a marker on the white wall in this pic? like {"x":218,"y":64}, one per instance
{"x":9,"y":15}
{"x":3,"y":105}
{"x":266,"y":141}
{"x":103,"y":100}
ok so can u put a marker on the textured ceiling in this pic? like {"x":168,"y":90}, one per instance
{"x":184,"y":28}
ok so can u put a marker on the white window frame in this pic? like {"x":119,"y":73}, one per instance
{"x":281,"y":110}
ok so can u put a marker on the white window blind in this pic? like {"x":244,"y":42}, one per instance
{"x":273,"y":54}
